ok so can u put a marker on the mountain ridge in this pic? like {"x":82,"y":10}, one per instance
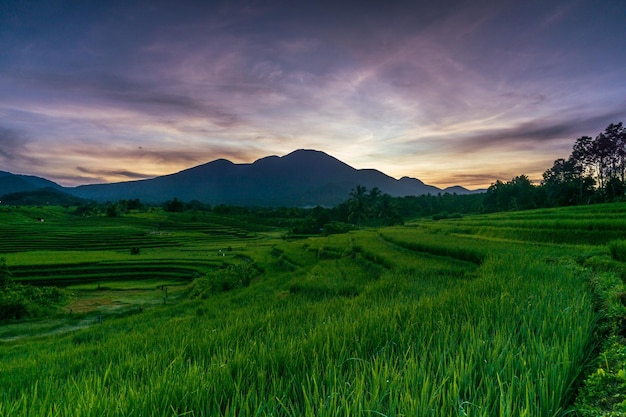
{"x":15,"y":183}
{"x":304,"y":177}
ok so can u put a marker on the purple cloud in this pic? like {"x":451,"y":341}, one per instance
{"x":389,"y":86}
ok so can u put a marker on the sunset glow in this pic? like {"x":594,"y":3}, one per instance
{"x":459,"y":93}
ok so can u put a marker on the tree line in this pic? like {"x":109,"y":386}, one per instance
{"x":593,"y":173}
{"x":594,"y":170}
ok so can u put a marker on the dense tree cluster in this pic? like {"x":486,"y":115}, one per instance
{"x":363,"y":208}
{"x":594,"y":172}
{"x":595,"y":168}
{"x":517,"y":194}
{"x":371,"y":207}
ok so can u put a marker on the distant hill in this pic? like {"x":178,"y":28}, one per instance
{"x":15,"y":183}
{"x":457,"y":189}
{"x":47,"y":196}
{"x":301,"y":178}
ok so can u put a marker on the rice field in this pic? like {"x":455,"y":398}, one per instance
{"x":462,"y":317}
{"x":64,"y":249}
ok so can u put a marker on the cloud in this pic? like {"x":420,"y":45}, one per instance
{"x":472,"y":175}
{"x":369,"y":83}
{"x":11,"y":144}
{"x":101,"y":164}
{"x":522,"y":136}
{"x":544,"y":133}
{"x":14,"y":152}
{"x":104,"y":173}
{"x":114,"y":91}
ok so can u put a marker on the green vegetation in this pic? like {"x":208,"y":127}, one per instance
{"x":604,"y":392}
{"x":221,"y":312}
{"x":594,"y":172}
{"x":618,"y":250}
{"x":47,"y":195}
{"x":227,"y":278}
{"x":21,"y":301}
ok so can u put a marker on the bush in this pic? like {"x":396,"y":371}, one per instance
{"x":604,"y":392}
{"x":446,"y":215}
{"x":22,"y":301}
{"x":618,"y":250}
{"x":334,"y":228}
{"x":224,"y":279}
{"x":12,"y":310}
{"x":6,"y":278}
{"x":174,"y":206}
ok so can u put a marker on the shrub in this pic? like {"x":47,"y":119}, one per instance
{"x":334,"y":228}
{"x":446,"y":215}
{"x":6,"y":278}
{"x":224,"y":279}
{"x":12,"y":310}
{"x":618,"y":250}
{"x":19,"y":301}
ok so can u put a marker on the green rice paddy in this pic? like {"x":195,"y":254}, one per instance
{"x":490,"y":315}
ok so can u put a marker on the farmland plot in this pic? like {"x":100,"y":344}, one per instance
{"x":437,"y":318}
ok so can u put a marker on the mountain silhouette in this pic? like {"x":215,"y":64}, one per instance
{"x":299,"y":179}
{"x":16,"y":183}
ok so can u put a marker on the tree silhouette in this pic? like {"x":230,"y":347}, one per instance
{"x":358,"y":205}
{"x":387,"y":211}
{"x":603,"y":158}
{"x":174,"y":206}
{"x":583,"y":156}
{"x":611,"y":148}
{"x":373,"y":196}
{"x":517,"y":194}
{"x":565,"y":183}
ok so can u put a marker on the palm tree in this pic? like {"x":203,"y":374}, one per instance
{"x":374,"y":195}
{"x":387,"y":211}
{"x":358,"y":205}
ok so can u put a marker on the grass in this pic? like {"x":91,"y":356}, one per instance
{"x":441,"y":318}
{"x":618,"y":250}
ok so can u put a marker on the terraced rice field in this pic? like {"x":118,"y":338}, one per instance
{"x":63,"y":250}
{"x":96,"y":253}
{"x":480,"y":316}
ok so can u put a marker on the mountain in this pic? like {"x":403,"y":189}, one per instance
{"x":301,"y":178}
{"x":48,"y":196}
{"x":457,"y":189}
{"x":15,"y":183}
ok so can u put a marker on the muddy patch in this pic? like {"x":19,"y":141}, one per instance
{"x":91,"y":307}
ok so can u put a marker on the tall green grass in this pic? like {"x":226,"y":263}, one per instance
{"x":618,"y":250}
{"x":417,"y":320}
{"x":482,"y":349}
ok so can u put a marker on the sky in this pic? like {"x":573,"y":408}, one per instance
{"x":451,"y":92}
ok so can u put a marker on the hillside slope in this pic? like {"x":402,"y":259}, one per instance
{"x":301,"y":178}
{"x":15,"y":183}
